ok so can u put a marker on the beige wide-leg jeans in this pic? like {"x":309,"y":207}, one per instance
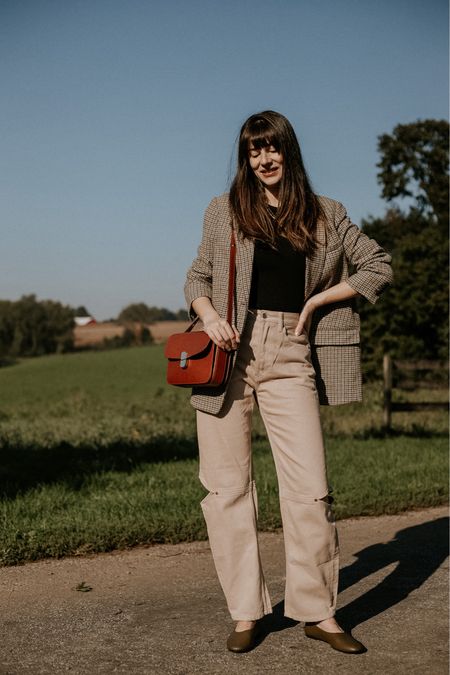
{"x":273,"y":368}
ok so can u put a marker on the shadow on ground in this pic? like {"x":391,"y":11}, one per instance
{"x":418,"y":551}
{"x":25,"y":466}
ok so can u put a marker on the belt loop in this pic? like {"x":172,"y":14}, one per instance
{"x":281,"y":320}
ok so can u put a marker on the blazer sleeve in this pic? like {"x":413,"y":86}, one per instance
{"x":373,"y":269}
{"x":199,"y":275}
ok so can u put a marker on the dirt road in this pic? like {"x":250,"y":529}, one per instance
{"x":160,"y":610}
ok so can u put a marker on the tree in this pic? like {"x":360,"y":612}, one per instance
{"x":59,"y":326}
{"x":414,"y":163}
{"x":29,"y":327}
{"x":81,"y":311}
{"x":6,"y":327}
{"x":137,"y":312}
{"x":141,"y":313}
{"x":411,"y":320}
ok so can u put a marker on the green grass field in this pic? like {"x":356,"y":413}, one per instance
{"x":99,"y":453}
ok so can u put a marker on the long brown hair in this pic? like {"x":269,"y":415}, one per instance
{"x":298,"y":207}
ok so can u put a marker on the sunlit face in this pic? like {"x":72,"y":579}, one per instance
{"x":267,"y":164}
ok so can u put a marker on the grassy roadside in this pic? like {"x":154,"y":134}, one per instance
{"x":159,"y":502}
{"x":98,"y":453}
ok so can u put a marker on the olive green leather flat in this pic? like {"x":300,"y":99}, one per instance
{"x":244,"y":640}
{"x":343,"y":642}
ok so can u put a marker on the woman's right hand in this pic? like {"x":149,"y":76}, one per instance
{"x":221,"y":333}
{"x":218,"y":329}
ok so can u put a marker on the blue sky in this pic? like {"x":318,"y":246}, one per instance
{"x":118,"y":122}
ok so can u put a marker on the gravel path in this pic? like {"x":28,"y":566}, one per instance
{"x":160,"y":609}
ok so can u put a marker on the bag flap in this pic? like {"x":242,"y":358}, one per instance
{"x":192,"y":343}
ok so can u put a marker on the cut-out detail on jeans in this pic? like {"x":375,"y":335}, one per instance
{"x":231,"y":491}
{"x":307,"y":499}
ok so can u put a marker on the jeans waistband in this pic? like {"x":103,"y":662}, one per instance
{"x":282,"y":318}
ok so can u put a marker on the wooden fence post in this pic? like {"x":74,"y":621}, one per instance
{"x":387,"y":391}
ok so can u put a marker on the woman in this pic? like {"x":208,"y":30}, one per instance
{"x":295,"y":344}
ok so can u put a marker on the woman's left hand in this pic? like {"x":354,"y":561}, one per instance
{"x":336,"y":293}
{"x":304,"y":321}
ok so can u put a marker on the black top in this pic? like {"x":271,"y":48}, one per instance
{"x":278,"y":276}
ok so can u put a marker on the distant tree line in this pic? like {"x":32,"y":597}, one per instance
{"x":29,"y":327}
{"x":32,"y":327}
{"x":142,"y":313}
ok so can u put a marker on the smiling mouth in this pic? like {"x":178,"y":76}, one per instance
{"x":269,"y":173}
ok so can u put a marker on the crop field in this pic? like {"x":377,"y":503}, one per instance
{"x":94,"y":334}
{"x":98,"y":453}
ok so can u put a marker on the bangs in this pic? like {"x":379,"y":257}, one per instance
{"x":261,"y":135}
{"x":261,"y":141}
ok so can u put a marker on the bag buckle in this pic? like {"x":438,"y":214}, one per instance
{"x":183,"y":360}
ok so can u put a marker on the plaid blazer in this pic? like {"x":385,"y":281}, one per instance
{"x":334,"y":329}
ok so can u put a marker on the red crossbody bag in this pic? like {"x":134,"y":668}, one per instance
{"x":193,"y":358}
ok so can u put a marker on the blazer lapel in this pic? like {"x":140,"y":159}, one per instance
{"x":245,"y":249}
{"x":315,"y":263}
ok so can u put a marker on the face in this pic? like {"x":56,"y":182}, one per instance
{"x":267,"y":164}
